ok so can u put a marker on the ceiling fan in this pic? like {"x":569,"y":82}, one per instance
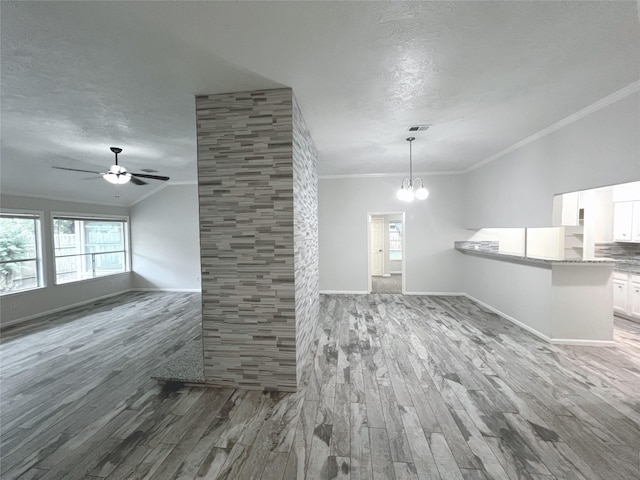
{"x":119,"y":175}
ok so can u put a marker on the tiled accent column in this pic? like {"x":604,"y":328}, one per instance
{"x":305,"y":222}
{"x":246,"y":193}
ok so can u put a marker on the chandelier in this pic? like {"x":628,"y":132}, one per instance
{"x":409,"y":188}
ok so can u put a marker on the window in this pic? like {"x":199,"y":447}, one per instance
{"x":395,"y":240}
{"x":89,"y":247}
{"x":20,"y":258}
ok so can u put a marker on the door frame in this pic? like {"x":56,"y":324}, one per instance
{"x":404,"y":249}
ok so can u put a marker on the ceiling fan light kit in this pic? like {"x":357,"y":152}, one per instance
{"x":118,"y":175}
{"x":409,"y":189}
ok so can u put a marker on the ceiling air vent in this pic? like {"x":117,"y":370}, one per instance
{"x":418,"y":128}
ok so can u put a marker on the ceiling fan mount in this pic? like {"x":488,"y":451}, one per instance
{"x":118,"y":175}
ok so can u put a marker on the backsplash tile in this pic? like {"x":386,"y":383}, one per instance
{"x":482,"y":245}
{"x":618,"y":251}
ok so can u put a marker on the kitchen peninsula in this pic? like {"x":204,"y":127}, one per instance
{"x":563,"y":301}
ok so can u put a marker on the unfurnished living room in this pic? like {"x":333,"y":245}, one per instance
{"x":320,"y":240}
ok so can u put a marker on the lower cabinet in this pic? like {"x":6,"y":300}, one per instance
{"x":626,"y":294}
{"x":634,"y":296}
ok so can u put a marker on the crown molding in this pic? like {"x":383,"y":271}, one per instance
{"x":161,"y":187}
{"x":65,"y":199}
{"x":594,"y":107}
{"x":388,"y":175}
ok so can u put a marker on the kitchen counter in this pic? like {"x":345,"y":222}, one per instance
{"x":472,"y":248}
{"x":561,"y":301}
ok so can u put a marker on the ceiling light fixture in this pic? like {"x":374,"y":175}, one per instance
{"x":409,"y":189}
{"x":117,"y":175}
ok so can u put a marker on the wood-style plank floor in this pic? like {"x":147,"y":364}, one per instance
{"x":397,"y":387}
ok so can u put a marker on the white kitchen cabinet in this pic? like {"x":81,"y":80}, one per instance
{"x":570,"y":207}
{"x":635,"y":223}
{"x":620,"y":293}
{"x":633,"y":306}
{"x":623,"y":221}
{"x":626,"y":294}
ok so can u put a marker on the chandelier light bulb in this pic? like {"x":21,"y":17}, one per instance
{"x":422,"y":193}
{"x":409,"y":195}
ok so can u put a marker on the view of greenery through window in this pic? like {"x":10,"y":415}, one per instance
{"x":395,"y":241}
{"x":88,"y":248}
{"x":19,"y":261}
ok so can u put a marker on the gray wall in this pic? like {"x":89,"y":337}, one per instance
{"x":248,"y":260}
{"x":431,"y":227}
{"x":305,"y":225}
{"x":24,"y":305}
{"x":165,"y":240}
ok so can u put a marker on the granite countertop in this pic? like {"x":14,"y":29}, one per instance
{"x":628,"y":266}
{"x":531,"y":260}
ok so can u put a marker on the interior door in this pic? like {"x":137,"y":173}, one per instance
{"x":377,"y":246}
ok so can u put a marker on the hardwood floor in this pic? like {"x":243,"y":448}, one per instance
{"x":398,"y":387}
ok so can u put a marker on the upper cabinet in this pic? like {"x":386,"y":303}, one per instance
{"x":567,"y":209}
{"x":626,"y":222}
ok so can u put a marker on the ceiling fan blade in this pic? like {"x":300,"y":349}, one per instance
{"x":137,"y":181}
{"x":77,"y":170}
{"x":149,"y":170}
{"x":153,"y":177}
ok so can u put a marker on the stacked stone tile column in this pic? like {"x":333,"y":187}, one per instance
{"x":257,"y":188}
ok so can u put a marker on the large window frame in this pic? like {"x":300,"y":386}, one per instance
{"x":37,"y":260}
{"x":88,"y":264}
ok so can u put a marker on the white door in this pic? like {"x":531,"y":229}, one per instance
{"x":377,"y":246}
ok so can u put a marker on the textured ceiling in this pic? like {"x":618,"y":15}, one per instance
{"x":79,"y":77}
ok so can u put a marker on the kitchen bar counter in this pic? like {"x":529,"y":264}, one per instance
{"x":475,"y":249}
{"x":561,"y":301}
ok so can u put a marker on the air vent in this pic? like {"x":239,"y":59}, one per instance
{"x":418,"y":128}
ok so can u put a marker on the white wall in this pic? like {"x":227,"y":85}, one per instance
{"x":520,"y":291}
{"x":165,"y":240}
{"x":23,"y":305}
{"x":431,"y":227}
{"x":517,"y":190}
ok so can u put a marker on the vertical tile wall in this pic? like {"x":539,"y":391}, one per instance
{"x":247,"y":229}
{"x":305,"y":224}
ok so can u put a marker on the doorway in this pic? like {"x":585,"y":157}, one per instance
{"x":386,"y":250}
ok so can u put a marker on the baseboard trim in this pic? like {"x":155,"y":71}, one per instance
{"x":510,"y":318}
{"x":344,"y":292}
{"x":188,"y":290}
{"x":553,"y":341}
{"x":18,"y":321}
{"x":437,"y":294}
{"x":583,"y":343}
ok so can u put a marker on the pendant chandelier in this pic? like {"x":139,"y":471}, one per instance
{"x":409,"y":188}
